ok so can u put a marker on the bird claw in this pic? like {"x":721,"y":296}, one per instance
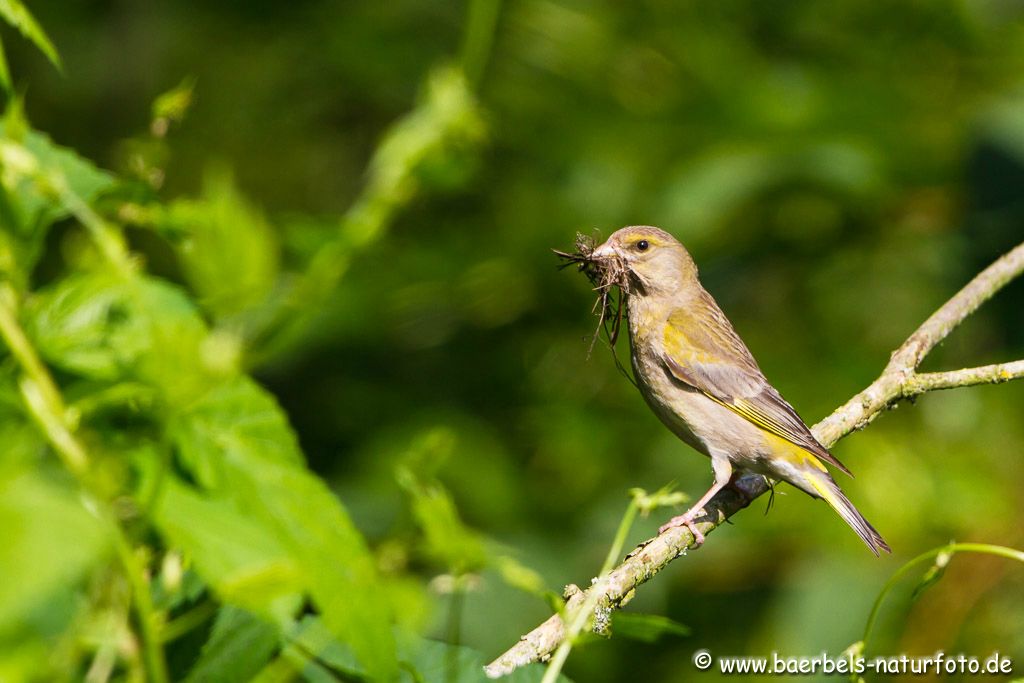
{"x":687,"y":521}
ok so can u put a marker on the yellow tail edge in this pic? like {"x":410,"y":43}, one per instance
{"x":837,"y":500}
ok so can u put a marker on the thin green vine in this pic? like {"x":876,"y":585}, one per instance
{"x":947,"y":551}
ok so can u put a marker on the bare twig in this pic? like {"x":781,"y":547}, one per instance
{"x":898,"y":381}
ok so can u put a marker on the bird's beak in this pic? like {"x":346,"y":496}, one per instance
{"x":604,"y":251}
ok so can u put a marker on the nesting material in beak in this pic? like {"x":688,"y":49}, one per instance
{"x":607,"y":273}
{"x":605,"y":251}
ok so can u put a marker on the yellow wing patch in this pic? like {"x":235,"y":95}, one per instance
{"x":762,"y":419}
{"x":758,"y":417}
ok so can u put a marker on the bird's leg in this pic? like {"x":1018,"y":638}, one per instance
{"x":723,"y":474}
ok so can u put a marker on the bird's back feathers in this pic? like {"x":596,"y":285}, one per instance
{"x":702,"y":349}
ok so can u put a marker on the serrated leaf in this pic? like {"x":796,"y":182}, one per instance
{"x":17,"y":15}
{"x":646,"y":628}
{"x":37,"y":208}
{"x":27,"y":209}
{"x":238,"y":415}
{"x":258,"y":464}
{"x":238,"y":556}
{"x":447,"y":539}
{"x":339,"y":571}
{"x":101,"y":326}
{"x":229,"y":253}
{"x":50,"y":540}
{"x":240,"y":645}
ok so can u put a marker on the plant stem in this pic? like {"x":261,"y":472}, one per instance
{"x":620,"y":537}
{"x":980,"y":548}
{"x":191,"y":619}
{"x":455,"y":605}
{"x":37,"y":387}
{"x":582,"y":615}
{"x":481,"y":22}
{"x":152,"y":649}
{"x":107,"y":238}
{"x":46,"y":406}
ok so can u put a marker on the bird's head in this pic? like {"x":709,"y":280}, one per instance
{"x":653,"y":260}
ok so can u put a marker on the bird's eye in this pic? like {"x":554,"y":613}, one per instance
{"x":642,"y":245}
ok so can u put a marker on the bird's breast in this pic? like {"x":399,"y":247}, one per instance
{"x":704,"y":424}
{"x":679,"y":407}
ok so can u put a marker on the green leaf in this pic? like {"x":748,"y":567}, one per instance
{"x":646,"y":628}
{"x":5,"y":71}
{"x":228,"y":251}
{"x":20,"y":659}
{"x":315,"y":528}
{"x":239,"y":646}
{"x":314,"y":650}
{"x":235,"y":415}
{"x":933,"y":575}
{"x":17,"y":15}
{"x":27,"y":205}
{"x":237,"y":440}
{"x":447,"y":539}
{"x":172,"y":105}
{"x":23,"y":444}
{"x":105,"y":327}
{"x":50,"y":540}
{"x":88,"y":324}
{"x":36,"y":206}
{"x":238,"y":556}
{"x":312,"y":642}
{"x":519,"y":576}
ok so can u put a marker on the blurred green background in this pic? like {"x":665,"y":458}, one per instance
{"x":837,"y":170}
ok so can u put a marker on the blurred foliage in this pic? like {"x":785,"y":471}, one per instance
{"x":294,"y":388}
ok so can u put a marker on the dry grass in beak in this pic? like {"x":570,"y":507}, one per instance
{"x":610,"y":279}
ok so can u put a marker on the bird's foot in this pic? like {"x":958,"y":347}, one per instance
{"x":748,"y":486}
{"x":687,"y":521}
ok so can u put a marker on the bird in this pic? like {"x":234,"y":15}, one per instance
{"x":703,"y":383}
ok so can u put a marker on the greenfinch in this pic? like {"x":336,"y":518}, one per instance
{"x":700,"y":379}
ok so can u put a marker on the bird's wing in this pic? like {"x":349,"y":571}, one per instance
{"x":701,"y":349}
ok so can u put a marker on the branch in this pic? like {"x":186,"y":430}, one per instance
{"x":898,"y":381}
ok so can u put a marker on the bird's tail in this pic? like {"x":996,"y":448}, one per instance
{"x":823,"y":485}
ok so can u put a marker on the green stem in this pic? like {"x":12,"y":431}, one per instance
{"x":108,"y":240}
{"x":46,"y":407}
{"x":143,"y":603}
{"x":620,"y":537}
{"x":454,"y":628}
{"x":579,"y":618}
{"x":982,"y":548}
{"x":191,"y":619}
{"x":481,"y":22}
{"x":38,"y":389}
